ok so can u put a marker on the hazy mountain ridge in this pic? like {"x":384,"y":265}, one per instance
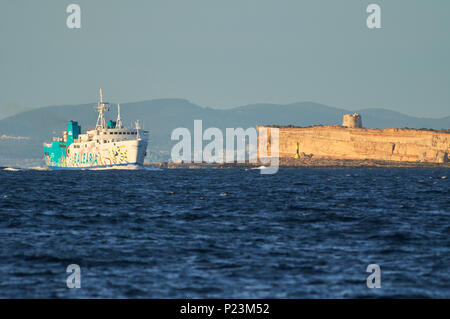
{"x":161,"y":116}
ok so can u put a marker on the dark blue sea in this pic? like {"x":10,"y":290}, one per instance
{"x":225,"y":233}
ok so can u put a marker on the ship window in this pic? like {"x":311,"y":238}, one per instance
{"x":104,"y":141}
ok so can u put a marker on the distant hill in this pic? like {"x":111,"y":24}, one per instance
{"x":161,"y":116}
{"x":382,"y":118}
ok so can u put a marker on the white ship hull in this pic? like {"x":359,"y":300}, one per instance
{"x":103,"y":155}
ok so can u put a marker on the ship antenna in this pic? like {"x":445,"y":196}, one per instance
{"x":119,"y":120}
{"x":100,"y":107}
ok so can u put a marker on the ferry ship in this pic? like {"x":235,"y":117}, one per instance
{"x":109,"y":145}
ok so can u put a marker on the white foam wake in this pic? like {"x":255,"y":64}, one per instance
{"x":12,"y":169}
{"x":39,"y":168}
{"x":127,"y":167}
{"x":151,"y":168}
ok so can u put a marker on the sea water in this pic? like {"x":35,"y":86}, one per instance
{"x":224,"y":233}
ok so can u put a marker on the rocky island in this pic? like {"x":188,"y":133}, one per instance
{"x":351,"y":141}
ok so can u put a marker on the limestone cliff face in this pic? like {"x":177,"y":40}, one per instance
{"x":358,"y":143}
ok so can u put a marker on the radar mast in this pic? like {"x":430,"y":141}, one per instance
{"x":101,"y":107}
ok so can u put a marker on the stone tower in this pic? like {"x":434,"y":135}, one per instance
{"x":352,"y":120}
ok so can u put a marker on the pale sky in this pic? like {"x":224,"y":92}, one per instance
{"x":227,"y":53}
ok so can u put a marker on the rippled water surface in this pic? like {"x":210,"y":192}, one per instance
{"x":225,"y":233}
